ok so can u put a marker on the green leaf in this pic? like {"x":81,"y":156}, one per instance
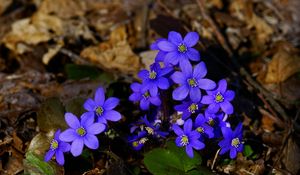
{"x":162,"y":162}
{"x":248,"y":150}
{"x":35,"y":165}
{"x":75,"y":106}
{"x":77,"y":72}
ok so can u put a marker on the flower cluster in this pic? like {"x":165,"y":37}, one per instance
{"x":204,"y":104}
{"x":82,"y":131}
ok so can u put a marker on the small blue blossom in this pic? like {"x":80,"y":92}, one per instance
{"x":144,"y":97}
{"x":153,"y":128}
{"x":188,"y":108}
{"x":154,"y":79}
{"x":188,"y":138}
{"x":57,"y":148}
{"x":81,"y":132}
{"x":179,"y":50}
{"x":191,"y":81}
{"x":160,"y":56}
{"x":203,"y":127}
{"x":220,"y":97}
{"x":102,"y":108}
{"x":232,"y":141}
{"x":138,"y":141}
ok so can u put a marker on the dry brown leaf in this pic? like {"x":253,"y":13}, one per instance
{"x":52,"y":51}
{"x":4,"y":4}
{"x":39,"y":28}
{"x":115,"y":54}
{"x":284,"y":64}
{"x":64,"y":9}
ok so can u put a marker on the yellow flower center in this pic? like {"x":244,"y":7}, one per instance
{"x":200,"y":129}
{"x":135,"y":143}
{"x":184,"y":140}
{"x":211,"y":122}
{"x":54,"y":144}
{"x":219,"y":98}
{"x":235,"y":142}
{"x":81,"y":131}
{"x":143,"y":140}
{"x":182,"y":48}
{"x":193,"y":107}
{"x":152,"y":75}
{"x":146,"y":95}
{"x":149,"y":130}
{"x":99,"y":110}
{"x":192,"y":82}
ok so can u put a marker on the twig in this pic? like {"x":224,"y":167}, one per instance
{"x":73,"y":56}
{"x":215,"y":158}
{"x":218,"y":34}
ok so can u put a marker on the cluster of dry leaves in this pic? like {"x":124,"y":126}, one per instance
{"x":37,"y":37}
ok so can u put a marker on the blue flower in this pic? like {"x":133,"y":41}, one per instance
{"x":188,"y":138}
{"x":220,"y":97}
{"x":191,"y":81}
{"x":102,"y":108}
{"x":188,"y":108}
{"x":138,"y":141}
{"x":161,"y":54}
{"x":154,"y":79}
{"x":58,"y":148}
{"x":203,"y":127}
{"x":232,"y":141}
{"x":153,"y":128}
{"x":81,"y":132}
{"x":179,"y":50}
{"x":144,"y":97}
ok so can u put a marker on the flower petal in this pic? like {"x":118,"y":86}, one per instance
{"x":144,"y":104}
{"x":91,"y":141}
{"x":187,"y":127}
{"x":68,"y":135}
{"x":143,"y":74}
{"x":77,"y":147}
{"x":96,"y":128}
{"x":136,"y":87}
{"x":206,"y":84}
{"x":166,"y":46}
{"x":200,"y":70}
{"x":172,"y":58}
{"x":177,"y":130}
{"x":207,"y":99}
{"x":195,"y":94}
{"x":160,"y":56}
{"x":72,"y":120}
{"x":191,"y":39}
{"x":189,"y":151}
{"x":193,"y":54}
{"x":175,"y":37}
{"x":196,"y":144}
{"x":87,"y":119}
{"x":227,"y":133}
{"x":222,"y":86}
{"x":163,"y":83}
{"x":111,"y":103}
{"x":186,"y":68}
{"x":200,"y":119}
{"x":155,"y":100}
{"x":178,"y":142}
{"x":227,"y":107}
{"x":178,"y":77}
{"x":49,"y":155}
{"x":153,"y":90}
{"x":135,"y":97}
{"x":89,"y":105}
{"x":99,"y":96}
{"x":229,"y":95}
{"x":213,"y":108}
{"x":180,"y":93}
{"x":59,"y":156}
{"x":233,"y":153}
{"x":64,"y":147}
{"x":112,"y":115}
{"x":224,"y":150}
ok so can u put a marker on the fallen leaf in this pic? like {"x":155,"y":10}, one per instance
{"x":4,"y":4}
{"x":52,"y":51}
{"x":115,"y":54}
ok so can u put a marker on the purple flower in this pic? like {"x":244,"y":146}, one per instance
{"x":203,"y":127}
{"x":154,"y":79}
{"x":179,"y":50}
{"x":144,"y":97}
{"x":102,"y":108}
{"x":219,"y":98}
{"x":188,"y":108}
{"x":153,"y":128}
{"x":81,"y":132}
{"x":232,"y":141}
{"x":188,"y":138}
{"x":161,"y":54}
{"x":137,"y":142}
{"x":58,"y":148}
{"x":191,"y":81}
